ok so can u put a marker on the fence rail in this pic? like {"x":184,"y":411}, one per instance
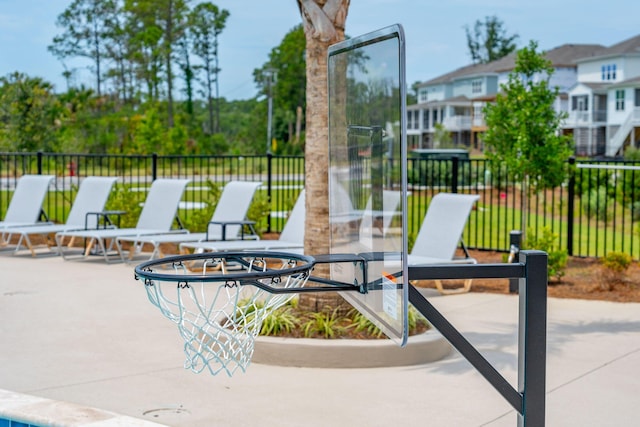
{"x":595,"y":212}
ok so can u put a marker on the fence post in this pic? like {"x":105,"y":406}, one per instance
{"x":269,"y":183}
{"x":455,"y":166}
{"x":39,"y":157}
{"x":154,"y":166}
{"x":532,"y":337}
{"x":515,"y":244}
{"x":571,"y":204}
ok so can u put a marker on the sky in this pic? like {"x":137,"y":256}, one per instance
{"x":435,"y":32}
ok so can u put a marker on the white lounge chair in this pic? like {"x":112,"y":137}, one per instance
{"x":227,"y":222}
{"x":291,"y":238}
{"x":26,"y":203}
{"x":157,"y":216}
{"x":441,"y":233}
{"x":91,"y":198}
{"x":375,"y":224}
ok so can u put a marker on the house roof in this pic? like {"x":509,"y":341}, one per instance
{"x":596,"y":87}
{"x":461,"y":100}
{"x":624,"y":48}
{"x":561,"y":56}
{"x":629,"y":82}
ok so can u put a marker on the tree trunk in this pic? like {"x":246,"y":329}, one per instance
{"x":168,"y":50}
{"x":298,"y":124}
{"x":323,"y":26}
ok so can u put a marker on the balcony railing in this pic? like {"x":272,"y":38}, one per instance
{"x":457,"y":123}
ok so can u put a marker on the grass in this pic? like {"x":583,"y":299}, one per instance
{"x":488,"y":227}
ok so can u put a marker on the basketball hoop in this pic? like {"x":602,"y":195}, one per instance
{"x":217,"y":313}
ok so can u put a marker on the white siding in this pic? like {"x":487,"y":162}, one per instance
{"x":590,"y":72}
{"x":631,"y":68}
{"x":436,"y":93}
{"x":580,"y":90}
{"x":618,"y":117}
{"x":563,"y":78}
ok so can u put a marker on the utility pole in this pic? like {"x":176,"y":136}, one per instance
{"x":271,"y":76}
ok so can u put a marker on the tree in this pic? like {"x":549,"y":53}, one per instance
{"x":288,"y":90}
{"x":523,"y":128}
{"x":207,"y":22}
{"x":489,"y":40}
{"x":441,"y":137}
{"x":323,"y":23}
{"x":30,"y":114}
{"x":84,"y":33}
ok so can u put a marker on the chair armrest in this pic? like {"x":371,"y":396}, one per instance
{"x":224,"y":224}
{"x":105,"y":216}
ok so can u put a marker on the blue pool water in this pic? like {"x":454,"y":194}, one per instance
{"x":4,"y":422}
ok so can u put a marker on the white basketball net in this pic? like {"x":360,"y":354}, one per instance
{"x":220,"y":320}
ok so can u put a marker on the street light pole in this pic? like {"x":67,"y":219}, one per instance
{"x":271,"y":77}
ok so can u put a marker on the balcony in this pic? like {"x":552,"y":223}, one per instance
{"x":457,"y":123}
{"x":585,"y":118}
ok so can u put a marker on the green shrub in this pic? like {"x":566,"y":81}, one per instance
{"x":594,"y":204}
{"x":361,"y":323}
{"x":325,"y":324}
{"x":617,"y":262}
{"x":547,"y":241}
{"x":123,"y":199}
{"x":198,"y":219}
{"x":635,"y":211}
{"x":279,"y":321}
{"x":259,"y":211}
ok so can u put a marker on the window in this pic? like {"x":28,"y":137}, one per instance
{"x":637,"y":97}
{"x":413,"y":119}
{"x":619,"y":100}
{"x":425,"y":119}
{"x":609,"y":71}
{"x":423,"y":94}
{"x":579,"y":103}
{"x":476,"y":86}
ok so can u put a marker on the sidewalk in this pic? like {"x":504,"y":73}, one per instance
{"x":84,"y":332}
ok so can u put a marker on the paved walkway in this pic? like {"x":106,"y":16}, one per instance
{"x":83,"y":332}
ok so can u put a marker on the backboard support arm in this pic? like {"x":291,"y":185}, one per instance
{"x":531,"y":271}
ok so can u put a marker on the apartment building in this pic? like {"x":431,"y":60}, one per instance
{"x":599,"y":89}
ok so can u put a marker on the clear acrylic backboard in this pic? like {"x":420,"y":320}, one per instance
{"x":367,"y":173}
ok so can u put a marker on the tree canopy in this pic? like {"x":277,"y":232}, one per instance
{"x":284,"y":76}
{"x":489,"y":40}
{"x":523,"y":128}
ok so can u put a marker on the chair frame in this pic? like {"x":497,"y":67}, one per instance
{"x":227,"y":223}
{"x":91,"y":198}
{"x":158,"y":214}
{"x":25,"y":207}
{"x":441,"y":234}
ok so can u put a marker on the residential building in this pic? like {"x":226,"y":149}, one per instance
{"x":599,"y":88}
{"x":604,"y":114}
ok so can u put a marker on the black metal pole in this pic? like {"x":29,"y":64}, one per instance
{"x":455,"y":167}
{"x":269,"y":185}
{"x":39,"y":156}
{"x":571,"y":205}
{"x":515,"y":244}
{"x":154,"y":166}
{"x":531,"y":270}
{"x":532,"y":342}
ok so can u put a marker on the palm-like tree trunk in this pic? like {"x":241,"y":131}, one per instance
{"x":323,"y":26}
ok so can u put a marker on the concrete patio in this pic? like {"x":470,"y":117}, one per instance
{"x":84,"y":333}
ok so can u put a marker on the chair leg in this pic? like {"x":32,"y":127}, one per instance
{"x":466,"y":287}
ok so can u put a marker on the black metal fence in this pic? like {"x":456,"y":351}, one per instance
{"x":595,"y":212}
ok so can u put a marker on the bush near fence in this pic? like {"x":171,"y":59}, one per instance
{"x":595,"y":212}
